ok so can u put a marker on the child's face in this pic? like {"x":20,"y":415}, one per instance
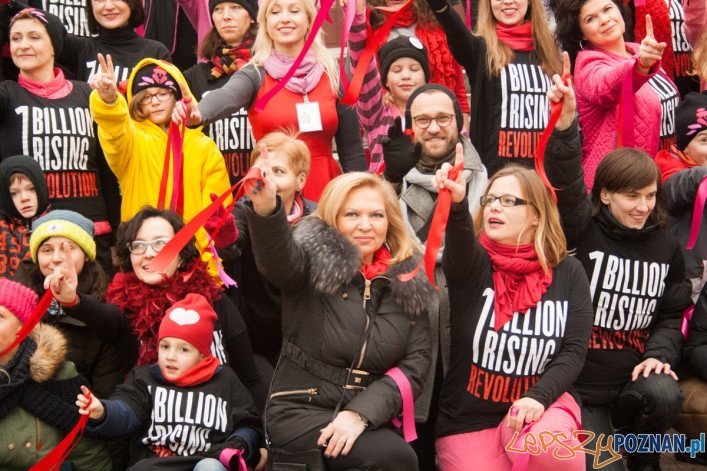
{"x":24,"y":196}
{"x":288,"y":183}
{"x":157,"y":105}
{"x":697,"y":148}
{"x":176,"y":356}
{"x":10,"y":325}
{"x":50,"y":255}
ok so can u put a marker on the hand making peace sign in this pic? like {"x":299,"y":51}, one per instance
{"x":63,"y":281}
{"x":104,"y":81}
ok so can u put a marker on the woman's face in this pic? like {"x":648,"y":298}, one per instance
{"x":10,"y":326}
{"x":51,"y":255}
{"x":404,"y":77}
{"x":601,"y":23}
{"x":157,"y":105}
{"x":150,"y":240}
{"x":363,"y":221}
{"x":509,"y":225}
{"x":509,"y":12}
{"x":231,"y":22}
{"x":287,"y":24}
{"x":631,"y":208}
{"x":111,"y":14}
{"x":30,"y":46}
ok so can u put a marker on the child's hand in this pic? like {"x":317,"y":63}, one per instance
{"x":262,"y":464}
{"x":90,"y":405}
{"x":104,"y":81}
{"x":63,"y":281}
{"x":186,"y":110}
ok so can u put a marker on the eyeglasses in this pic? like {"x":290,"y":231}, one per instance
{"x":507,"y":201}
{"x":423,"y":122}
{"x":162,"y":95}
{"x":139,"y":247}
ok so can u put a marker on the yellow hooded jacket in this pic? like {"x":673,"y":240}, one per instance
{"x":135,"y":152}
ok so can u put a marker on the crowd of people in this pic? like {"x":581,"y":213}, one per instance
{"x":552,"y":156}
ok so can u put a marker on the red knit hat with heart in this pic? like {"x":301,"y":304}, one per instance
{"x":192,"y":320}
{"x":18,"y":299}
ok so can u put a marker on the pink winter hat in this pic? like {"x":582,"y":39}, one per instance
{"x":18,"y":299}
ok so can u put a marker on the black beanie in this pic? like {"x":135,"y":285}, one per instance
{"x":31,"y":169}
{"x":402,"y":46}
{"x":152,"y":75}
{"x":251,"y":6}
{"x":51,"y":23}
{"x":690,"y":118}
{"x":434,"y":86}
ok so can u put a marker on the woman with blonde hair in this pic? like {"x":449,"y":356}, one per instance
{"x":521,"y":315}
{"x":347,"y":320}
{"x":509,"y":59}
{"x":310,"y":99}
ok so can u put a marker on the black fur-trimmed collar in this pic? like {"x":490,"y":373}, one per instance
{"x":334,"y":263}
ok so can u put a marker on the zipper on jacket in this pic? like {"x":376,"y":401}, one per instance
{"x":295,"y":392}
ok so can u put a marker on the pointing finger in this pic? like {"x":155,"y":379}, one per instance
{"x":565,"y":66}
{"x":649,"y":27}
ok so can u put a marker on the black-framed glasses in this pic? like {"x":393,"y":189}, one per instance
{"x":162,"y":95}
{"x":507,"y":201}
{"x":139,"y":247}
{"x":423,"y":122}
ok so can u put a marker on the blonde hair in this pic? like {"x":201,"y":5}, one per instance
{"x":498,"y":55}
{"x":401,"y":245}
{"x":699,"y":58}
{"x":263,"y":44}
{"x":549,"y":240}
{"x":298,"y":156}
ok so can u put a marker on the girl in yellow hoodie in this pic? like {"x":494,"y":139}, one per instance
{"x":133,"y":133}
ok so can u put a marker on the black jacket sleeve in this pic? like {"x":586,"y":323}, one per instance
{"x":696,"y":348}
{"x":666,"y":340}
{"x":563,"y":164}
{"x":349,"y":145}
{"x":463,"y":254}
{"x":562,"y":371}
{"x":465,"y":47}
{"x":105,"y":320}
{"x":679,"y":191}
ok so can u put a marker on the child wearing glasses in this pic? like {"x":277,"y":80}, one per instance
{"x":133,"y":131}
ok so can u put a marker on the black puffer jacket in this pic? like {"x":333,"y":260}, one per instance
{"x":324,"y":320}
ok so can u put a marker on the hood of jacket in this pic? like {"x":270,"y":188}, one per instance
{"x":49,"y":355}
{"x":170,"y":68}
{"x":26,"y":166}
{"x":335,"y":263}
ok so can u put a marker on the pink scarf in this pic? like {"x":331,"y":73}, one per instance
{"x":305,"y":79}
{"x":56,"y":88}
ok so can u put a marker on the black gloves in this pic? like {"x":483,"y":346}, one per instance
{"x":400,"y":153}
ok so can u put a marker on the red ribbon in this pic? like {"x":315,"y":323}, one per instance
{"x":228,"y":453}
{"x":173,"y":152}
{"x":372,"y":45}
{"x":697,"y":213}
{"x":403,"y":383}
{"x":436,"y":233}
{"x":60,"y":452}
{"x":33,"y":320}
{"x":182,"y":238}
{"x":322,"y":15}
{"x":624,"y":113}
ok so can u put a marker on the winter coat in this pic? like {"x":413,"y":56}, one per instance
{"x":696,"y":347}
{"x":327,"y":305}
{"x":25,"y":438}
{"x":135,"y":152}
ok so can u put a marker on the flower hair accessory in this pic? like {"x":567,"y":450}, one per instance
{"x":152,"y":75}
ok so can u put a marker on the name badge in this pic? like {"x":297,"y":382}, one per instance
{"x":308,"y":117}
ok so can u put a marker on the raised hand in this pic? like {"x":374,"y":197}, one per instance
{"x":91,"y":407}
{"x":63,"y":281}
{"x":187,"y":109}
{"x":399,"y":153}
{"x":104,"y":81}
{"x":360,"y":5}
{"x":560,"y":91}
{"x":441,"y":179}
{"x":650,"y":51}
{"x":264,"y":193}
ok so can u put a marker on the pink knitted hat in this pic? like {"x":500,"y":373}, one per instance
{"x":18,"y":299}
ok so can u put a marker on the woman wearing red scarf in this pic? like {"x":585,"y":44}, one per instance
{"x":509,"y":59}
{"x":227,"y":49}
{"x":343,"y":306}
{"x":521,"y":315}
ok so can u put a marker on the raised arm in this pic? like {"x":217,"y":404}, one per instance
{"x":465,"y":46}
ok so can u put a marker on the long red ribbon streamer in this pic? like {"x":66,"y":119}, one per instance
{"x":436,"y":233}
{"x":173,"y":152}
{"x":33,"y":320}
{"x":60,"y":452}
{"x":182,"y":238}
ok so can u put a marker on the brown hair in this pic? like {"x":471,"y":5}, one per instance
{"x":299,"y":158}
{"x":423,"y":13}
{"x":624,"y":170}
{"x":18,"y":177}
{"x":549,"y":239}
{"x":137,"y":15}
{"x":134,"y":107}
{"x":212,"y":42}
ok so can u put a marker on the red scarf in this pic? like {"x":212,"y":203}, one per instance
{"x":672,"y":161}
{"x":229,"y":60}
{"x":518,"y":38}
{"x":518,"y":278}
{"x":381,"y":261}
{"x":406,"y":18}
{"x":662,"y":29}
{"x":297,"y":209}
{"x":144,"y":305}
{"x":199,"y":373}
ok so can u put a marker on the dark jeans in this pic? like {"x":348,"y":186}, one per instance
{"x":649,"y":405}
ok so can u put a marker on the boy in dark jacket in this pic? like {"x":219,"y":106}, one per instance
{"x":23,"y":197}
{"x":187,"y":409}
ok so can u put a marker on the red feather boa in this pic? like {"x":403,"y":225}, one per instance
{"x":662,"y":29}
{"x":144,"y":305}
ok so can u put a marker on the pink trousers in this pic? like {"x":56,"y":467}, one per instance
{"x":495,"y":449}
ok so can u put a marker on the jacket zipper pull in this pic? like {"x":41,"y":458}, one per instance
{"x":367,"y":290}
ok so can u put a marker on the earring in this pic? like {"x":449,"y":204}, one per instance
{"x":581,"y":44}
